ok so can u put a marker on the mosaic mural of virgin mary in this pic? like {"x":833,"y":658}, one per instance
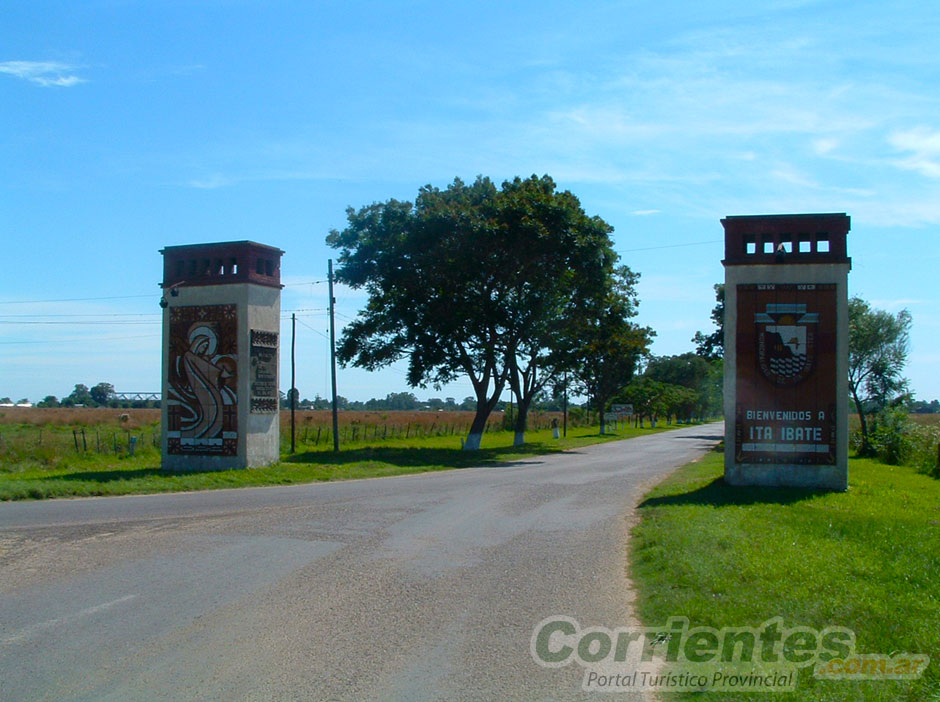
{"x":203,"y":395}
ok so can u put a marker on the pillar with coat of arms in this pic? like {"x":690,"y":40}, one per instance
{"x":786,"y":350}
{"x":221,"y":319}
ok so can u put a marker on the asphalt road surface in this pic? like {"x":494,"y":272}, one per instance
{"x":423,"y":587}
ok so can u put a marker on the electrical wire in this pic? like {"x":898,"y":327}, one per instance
{"x":672,"y":246}
{"x":73,"y":299}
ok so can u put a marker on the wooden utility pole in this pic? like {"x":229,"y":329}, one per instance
{"x":333,"y":359}
{"x":293,"y":379}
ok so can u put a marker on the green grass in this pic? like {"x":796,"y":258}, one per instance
{"x":867,"y":559}
{"x":27,"y":473}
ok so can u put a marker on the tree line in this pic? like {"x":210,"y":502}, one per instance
{"x":408,"y":401}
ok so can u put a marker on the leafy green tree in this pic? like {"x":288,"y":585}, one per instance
{"x":5,"y":401}
{"x":401,"y":401}
{"x":101,"y":393}
{"x":712,"y":346}
{"x":79,"y":396}
{"x":611,"y":346}
{"x":431,"y":273}
{"x":648,"y":397}
{"x":561,"y":263}
{"x":879,"y":343}
{"x":472,"y":280}
{"x":689,"y":370}
{"x":49,"y":401}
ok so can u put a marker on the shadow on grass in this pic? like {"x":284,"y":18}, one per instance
{"x":108,"y":476}
{"x":718,"y":493}
{"x":396,"y":456}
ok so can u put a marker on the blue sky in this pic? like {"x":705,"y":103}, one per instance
{"x":128,"y":126}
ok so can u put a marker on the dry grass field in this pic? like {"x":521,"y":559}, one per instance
{"x":48,"y":437}
{"x":135,"y":418}
{"x":79,"y":416}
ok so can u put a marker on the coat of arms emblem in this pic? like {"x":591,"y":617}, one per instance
{"x":786,"y":342}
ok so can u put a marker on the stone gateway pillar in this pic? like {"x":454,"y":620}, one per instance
{"x":221,"y":319}
{"x":786,"y":350}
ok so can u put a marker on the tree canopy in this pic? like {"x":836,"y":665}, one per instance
{"x":690,"y":371}
{"x":609,"y":347}
{"x":475,"y":280}
{"x":879,"y":343}
{"x":712,"y":346}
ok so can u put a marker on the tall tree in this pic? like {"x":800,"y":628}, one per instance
{"x":473,"y":280}
{"x":560,"y":261}
{"x":432,"y":272}
{"x":712,"y":346}
{"x":611,"y":346}
{"x":879,"y":343}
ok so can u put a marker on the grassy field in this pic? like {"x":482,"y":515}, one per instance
{"x":867,"y":559}
{"x":82,"y":452}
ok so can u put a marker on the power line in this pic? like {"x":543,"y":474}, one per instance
{"x":80,"y":339}
{"x":315,"y":331}
{"x":116,"y":297}
{"x":672,"y":246}
{"x":102,"y":314}
{"x":312,"y":282}
{"x":99,"y":322}
{"x":73,"y":299}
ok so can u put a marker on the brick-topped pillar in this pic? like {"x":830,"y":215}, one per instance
{"x":221,"y":323}
{"x":786,"y":350}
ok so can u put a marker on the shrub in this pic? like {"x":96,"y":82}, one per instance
{"x":897,"y":440}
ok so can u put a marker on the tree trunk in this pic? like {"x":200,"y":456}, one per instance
{"x":485,"y":407}
{"x":485,"y":404}
{"x":600,"y":410}
{"x":477,"y":427}
{"x":865,"y":448}
{"x":522,"y":413}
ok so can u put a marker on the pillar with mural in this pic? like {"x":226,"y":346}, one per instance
{"x":221,"y":322}
{"x":786,"y":350}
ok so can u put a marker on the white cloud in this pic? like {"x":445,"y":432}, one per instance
{"x":45,"y":73}
{"x":216,"y":180}
{"x":896,"y":304}
{"x":644,"y":213}
{"x":823,"y":147}
{"x":923,"y":144}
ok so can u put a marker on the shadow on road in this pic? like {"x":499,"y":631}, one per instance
{"x":413,"y":456}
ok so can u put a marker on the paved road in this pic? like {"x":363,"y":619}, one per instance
{"x":421,"y":587}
